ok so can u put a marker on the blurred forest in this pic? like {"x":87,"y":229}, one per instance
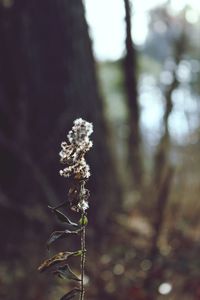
{"x":143,"y":239}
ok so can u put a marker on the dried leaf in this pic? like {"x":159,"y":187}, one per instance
{"x":61,"y":217}
{"x":58,"y":235}
{"x":60,"y":257}
{"x":71,"y":294}
{"x":55,"y":236}
{"x":66,"y":272}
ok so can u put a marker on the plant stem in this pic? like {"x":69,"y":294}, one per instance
{"x":83,"y":257}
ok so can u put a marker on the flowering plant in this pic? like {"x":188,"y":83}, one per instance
{"x":77,"y":170}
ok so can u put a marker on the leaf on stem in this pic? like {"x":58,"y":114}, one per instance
{"x":71,"y":294}
{"x":61,"y":217}
{"x":59,"y":235}
{"x":58,"y":258}
{"x":66,"y":273}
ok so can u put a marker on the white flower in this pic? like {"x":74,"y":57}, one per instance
{"x":73,"y":155}
{"x":83,"y":205}
{"x":80,"y":132}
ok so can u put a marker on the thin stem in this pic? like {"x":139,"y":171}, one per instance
{"x":83,"y":258}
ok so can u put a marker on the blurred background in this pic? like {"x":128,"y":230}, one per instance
{"x":133,"y":69}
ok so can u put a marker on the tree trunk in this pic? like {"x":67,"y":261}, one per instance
{"x":130,"y":72}
{"x":47,"y":79}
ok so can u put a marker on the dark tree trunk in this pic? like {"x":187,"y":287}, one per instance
{"x":130,"y":72}
{"x":47,"y":79}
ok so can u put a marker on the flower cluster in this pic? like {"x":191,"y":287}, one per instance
{"x":73,"y":155}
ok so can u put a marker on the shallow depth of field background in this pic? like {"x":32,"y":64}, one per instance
{"x":140,"y":86}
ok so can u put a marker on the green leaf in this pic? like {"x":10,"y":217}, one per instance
{"x":71,"y":294}
{"x":66,"y":272}
{"x":56,"y":259}
{"x":83,"y":221}
{"x":61,"y":217}
{"x":59,"y":235}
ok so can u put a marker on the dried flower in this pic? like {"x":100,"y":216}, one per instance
{"x":73,"y":155}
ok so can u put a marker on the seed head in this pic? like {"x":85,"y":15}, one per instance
{"x":73,"y":155}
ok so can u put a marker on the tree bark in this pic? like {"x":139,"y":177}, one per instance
{"x":130,"y":72}
{"x":47,"y":79}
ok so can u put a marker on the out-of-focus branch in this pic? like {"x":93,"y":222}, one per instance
{"x":162,"y":154}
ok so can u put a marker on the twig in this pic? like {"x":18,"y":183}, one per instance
{"x":83,"y":258}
